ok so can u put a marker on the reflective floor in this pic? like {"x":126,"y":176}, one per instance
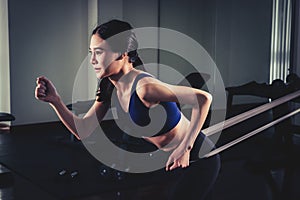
{"x":42,"y":162}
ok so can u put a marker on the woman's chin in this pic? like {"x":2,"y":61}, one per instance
{"x":100,"y":75}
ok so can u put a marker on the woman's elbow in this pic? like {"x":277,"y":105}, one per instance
{"x":209,"y":97}
{"x":205,"y":98}
{"x":83,"y":134}
{"x":77,"y":136}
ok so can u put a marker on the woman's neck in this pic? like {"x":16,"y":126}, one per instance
{"x":122,"y":78}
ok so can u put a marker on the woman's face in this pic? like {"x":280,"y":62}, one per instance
{"x":104,"y":61}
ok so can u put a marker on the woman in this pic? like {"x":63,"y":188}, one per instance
{"x":115,"y":61}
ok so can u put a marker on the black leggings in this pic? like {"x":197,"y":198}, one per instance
{"x":197,"y":180}
{"x":193,"y":182}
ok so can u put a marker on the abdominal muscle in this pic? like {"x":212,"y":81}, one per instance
{"x":170,"y":140}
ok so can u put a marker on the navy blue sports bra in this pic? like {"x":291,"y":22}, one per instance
{"x":139,"y":113}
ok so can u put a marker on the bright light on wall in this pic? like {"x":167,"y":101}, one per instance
{"x":4,"y":59}
{"x":280,"y":40}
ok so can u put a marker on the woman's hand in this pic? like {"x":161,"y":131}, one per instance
{"x":180,"y":157}
{"x":45,"y":90}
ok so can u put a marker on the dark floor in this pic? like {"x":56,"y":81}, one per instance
{"x":32,"y":157}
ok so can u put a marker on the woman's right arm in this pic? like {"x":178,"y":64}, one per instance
{"x":80,"y":127}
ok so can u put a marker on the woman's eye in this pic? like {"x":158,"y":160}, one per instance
{"x":96,"y":52}
{"x":99,"y":52}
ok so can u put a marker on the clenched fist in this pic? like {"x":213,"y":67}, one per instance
{"x":45,"y":90}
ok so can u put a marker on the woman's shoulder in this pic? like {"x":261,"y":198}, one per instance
{"x":143,"y":73}
{"x":143,"y":77}
{"x":146,"y":74}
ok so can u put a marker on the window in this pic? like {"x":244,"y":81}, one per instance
{"x":4,"y":58}
{"x":280,"y":39}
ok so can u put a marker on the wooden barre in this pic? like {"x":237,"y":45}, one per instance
{"x":240,"y":139}
{"x":248,"y":114}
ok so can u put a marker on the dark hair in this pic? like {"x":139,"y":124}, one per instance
{"x":120,"y":37}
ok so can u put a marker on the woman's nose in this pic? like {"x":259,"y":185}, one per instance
{"x":93,"y":59}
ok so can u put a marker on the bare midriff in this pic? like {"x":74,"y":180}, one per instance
{"x":170,"y":140}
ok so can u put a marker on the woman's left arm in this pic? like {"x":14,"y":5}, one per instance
{"x":200,"y":101}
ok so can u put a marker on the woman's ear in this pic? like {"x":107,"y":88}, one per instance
{"x":121,"y":56}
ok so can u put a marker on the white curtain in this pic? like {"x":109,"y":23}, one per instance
{"x":4,"y":58}
{"x":280,"y":40}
